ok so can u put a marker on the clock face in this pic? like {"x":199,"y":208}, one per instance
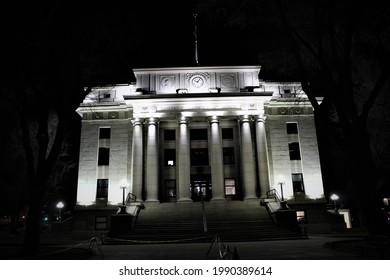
{"x":197,"y":81}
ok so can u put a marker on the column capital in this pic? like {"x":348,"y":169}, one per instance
{"x":260,"y":118}
{"x":214,"y":119}
{"x":137,"y":121}
{"x":152,"y":121}
{"x":183,"y":120}
{"x":246,"y":118}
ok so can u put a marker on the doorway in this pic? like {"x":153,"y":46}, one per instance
{"x":201,"y":187}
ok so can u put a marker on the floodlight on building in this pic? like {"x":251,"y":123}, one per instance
{"x":181,"y":90}
{"x":215,"y":90}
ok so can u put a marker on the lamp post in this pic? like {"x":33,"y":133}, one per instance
{"x":60,"y":205}
{"x":281,"y":190}
{"x":123,"y":186}
{"x":334,"y":197}
{"x":123,"y":194}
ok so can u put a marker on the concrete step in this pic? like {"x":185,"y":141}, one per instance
{"x":232,"y":221}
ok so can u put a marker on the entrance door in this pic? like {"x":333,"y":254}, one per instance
{"x":201,"y":187}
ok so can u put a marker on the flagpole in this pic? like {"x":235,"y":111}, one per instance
{"x":196,"y":40}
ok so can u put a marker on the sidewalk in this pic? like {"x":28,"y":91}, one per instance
{"x":76,"y":245}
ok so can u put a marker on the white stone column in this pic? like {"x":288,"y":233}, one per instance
{"x":247,"y":160}
{"x":183,"y":166}
{"x":216,"y":161}
{"x":137,"y":159}
{"x":262,"y":155}
{"x":151,"y":172}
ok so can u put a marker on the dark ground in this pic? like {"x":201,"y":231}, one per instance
{"x":346,"y":245}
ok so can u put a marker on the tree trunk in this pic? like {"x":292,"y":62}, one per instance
{"x":46,"y":161}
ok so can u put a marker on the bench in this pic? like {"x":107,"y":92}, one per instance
{"x":377,"y":246}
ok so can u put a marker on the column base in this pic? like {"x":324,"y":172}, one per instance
{"x":184,"y":200}
{"x":217,"y":199}
{"x":152,"y":201}
{"x":250,"y":198}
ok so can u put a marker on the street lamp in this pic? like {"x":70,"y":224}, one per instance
{"x":334,"y":197}
{"x":281,"y":190}
{"x":123,"y":186}
{"x":60,"y":205}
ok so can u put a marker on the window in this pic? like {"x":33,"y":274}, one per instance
{"x":104,"y":156}
{"x":198,"y":134}
{"x":227,"y":133}
{"x":297,"y":180}
{"x":228,"y":156}
{"x":301,"y":217}
{"x":102,"y":189}
{"x":294,"y":150}
{"x":199,"y":157}
{"x":104,"y":133}
{"x":170,"y":189}
{"x":230,"y":186}
{"x":101,"y":222}
{"x":169,"y":135}
{"x":292,"y":128}
{"x":169,"y":157}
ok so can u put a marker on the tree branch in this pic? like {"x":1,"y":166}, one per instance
{"x":304,"y":79}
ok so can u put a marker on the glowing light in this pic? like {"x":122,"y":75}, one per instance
{"x":60,"y":205}
{"x":334,"y":197}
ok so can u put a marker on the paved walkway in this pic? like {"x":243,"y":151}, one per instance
{"x":76,"y":245}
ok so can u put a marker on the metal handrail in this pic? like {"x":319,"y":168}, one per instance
{"x":274,"y":194}
{"x":131,"y":198}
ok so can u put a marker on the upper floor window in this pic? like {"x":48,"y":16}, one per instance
{"x":199,"y":157}
{"x":228,"y":155}
{"x":198,"y":134}
{"x":227,"y":133}
{"x":104,"y":156}
{"x":169,"y":135}
{"x":292,"y":128}
{"x":295,"y":153}
{"x":169,"y":157}
{"x":104,"y":133}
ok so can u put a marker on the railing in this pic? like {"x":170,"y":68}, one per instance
{"x":274,"y":194}
{"x":131,"y":198}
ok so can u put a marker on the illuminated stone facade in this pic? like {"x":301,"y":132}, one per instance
{"x":186,"y":134}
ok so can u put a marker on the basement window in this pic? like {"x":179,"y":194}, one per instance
{"x":101,"y":222}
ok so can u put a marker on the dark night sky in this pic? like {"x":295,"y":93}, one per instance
{"x":119,"y":36}
{"x":162,"y":33}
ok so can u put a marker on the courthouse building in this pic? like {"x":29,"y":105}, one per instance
{"x":196,"y":133}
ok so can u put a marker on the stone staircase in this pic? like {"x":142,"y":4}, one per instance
{"x":231,"y":221}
